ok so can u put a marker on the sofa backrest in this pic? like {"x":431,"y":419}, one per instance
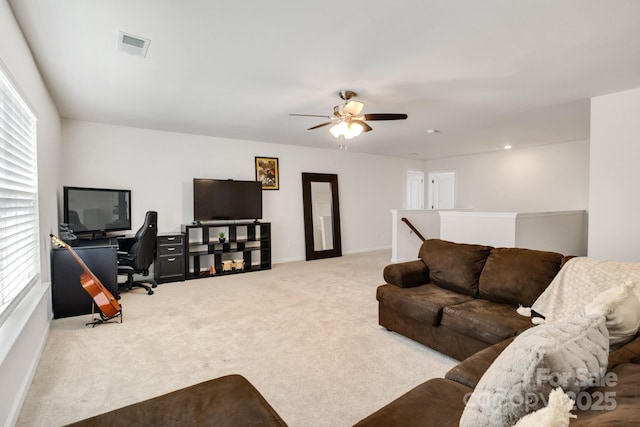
{"x":454,"y":266}
{"x":518,"y":276}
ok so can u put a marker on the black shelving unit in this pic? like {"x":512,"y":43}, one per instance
{"x":246,"y":241}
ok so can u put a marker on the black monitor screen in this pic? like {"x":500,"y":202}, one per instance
{"x":91,"y":210}
{"x":216,"y":199}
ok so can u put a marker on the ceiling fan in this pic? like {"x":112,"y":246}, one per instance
{"x":347,"y":121}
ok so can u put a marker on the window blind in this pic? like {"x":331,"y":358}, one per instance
{"x":19,"y":249}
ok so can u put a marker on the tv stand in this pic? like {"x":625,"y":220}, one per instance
{"x":207,"y":256}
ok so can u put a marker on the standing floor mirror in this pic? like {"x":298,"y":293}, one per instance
{"x":321,"y":215}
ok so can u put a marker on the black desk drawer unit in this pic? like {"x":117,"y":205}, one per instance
{"x":169,"y":266}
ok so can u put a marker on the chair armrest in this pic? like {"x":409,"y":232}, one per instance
{"x":407,"y":274}
{"x":125,"y":269}
{"x":125,"y":257}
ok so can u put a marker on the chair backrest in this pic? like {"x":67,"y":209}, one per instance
{"x":143,"y":249}
{"x":74,"y":222}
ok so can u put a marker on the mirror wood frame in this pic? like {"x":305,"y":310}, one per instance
{"x":311,"y":252}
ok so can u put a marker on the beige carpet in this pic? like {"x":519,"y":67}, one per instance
{"x":305,"y":334}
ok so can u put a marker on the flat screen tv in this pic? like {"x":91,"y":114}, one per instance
{"x":218,"y":199}
{"x":96,"y":210}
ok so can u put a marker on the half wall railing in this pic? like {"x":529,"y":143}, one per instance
{"x":413,"y":228}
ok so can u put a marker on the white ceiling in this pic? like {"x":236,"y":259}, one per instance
{"x":484,"y":73}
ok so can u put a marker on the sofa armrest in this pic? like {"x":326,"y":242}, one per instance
{"x":470,"y":370}
{"x":435,"y":402}
{"x":407,"y":274}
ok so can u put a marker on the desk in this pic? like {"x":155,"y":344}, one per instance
{"x":68,"y":296}
{"x":100,"y":241}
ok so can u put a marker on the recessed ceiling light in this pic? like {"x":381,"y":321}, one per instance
{"x":433,"y":131}
{"x":507,"y":147}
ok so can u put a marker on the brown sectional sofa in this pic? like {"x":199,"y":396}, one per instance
{"x":440,"y":401}
{"x":460,"y":299}
{"x":229,"y":401}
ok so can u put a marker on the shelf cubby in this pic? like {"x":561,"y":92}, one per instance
{"x":249,"y":241}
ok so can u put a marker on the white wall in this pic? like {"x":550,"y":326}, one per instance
{"x":159,"y":168}
{"x":405,"y":243}
{"x":551,"y":177}
{"x":564,"y":232}
{"x":23,"y":334}
{"x":614,"y":198}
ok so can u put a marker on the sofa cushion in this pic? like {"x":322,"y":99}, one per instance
{"x":470,"y":370}
{"x":518,"y":276}
{"x":454,"y":266}
{"x":621,"y":391}
{"x":625,"y":354}
{"x":435,"y":402}
{"x":487,"y":321}
{"x":570,"y":354}
{"x":423,"y":303}
{"x":621,"y":307}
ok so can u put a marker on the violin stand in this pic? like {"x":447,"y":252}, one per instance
{"x":102,"y":319}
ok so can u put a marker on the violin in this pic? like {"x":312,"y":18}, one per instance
{"x":106,"y":302}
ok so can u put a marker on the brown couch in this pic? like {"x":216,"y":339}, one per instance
{"x":229,"y":401}
{"x":460,"y":299}
{"x":440,"y":401}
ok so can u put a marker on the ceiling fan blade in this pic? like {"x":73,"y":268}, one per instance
{"x":310,"y":115}
{"x":353,"y":107}
{"x":365,"y":127}
{"x":320,"y":125}
{"x":385,"y":116}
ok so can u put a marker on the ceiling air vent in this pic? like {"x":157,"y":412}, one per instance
{"x":133,"y":45}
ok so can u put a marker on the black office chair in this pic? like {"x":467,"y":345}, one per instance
{"x":136,"y":254}
{"x":74,"y":222}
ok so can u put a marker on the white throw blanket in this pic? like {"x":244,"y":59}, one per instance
{"x":579,"y":282}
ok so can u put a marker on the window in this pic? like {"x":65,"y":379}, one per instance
{"x":19,"y":249}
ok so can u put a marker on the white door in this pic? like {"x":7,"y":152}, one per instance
{"x":442,"y":187}
{"x":415,"y":190}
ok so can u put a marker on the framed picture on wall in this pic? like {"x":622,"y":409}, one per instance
{"x":267,"y":172}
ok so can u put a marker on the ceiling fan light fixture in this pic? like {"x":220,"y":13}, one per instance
{"x":352,"y":107}
{"x":335,"y":131}
{"x":346,"y":129}
{"x":355,"y":129}
{"x":339,"y":129}
{"x":346,"y":122}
